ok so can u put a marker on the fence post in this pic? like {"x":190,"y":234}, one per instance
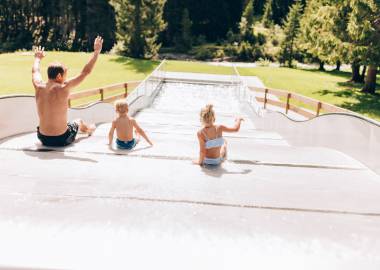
{"x":101,"y":94}
{"x":126,"y":89}
{"x":319,"y":107}
{"x":288,"y":103}
{"x":266,"y":98}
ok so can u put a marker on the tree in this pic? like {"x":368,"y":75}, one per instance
{"x":267,"y":19}
{"x":291,"y":31}
{"x":139,"y":24}
{"x":184,"y":42}
{"x":246,"y":23}
{"x":362,"y":29}
{"x":248,"y":12}
{"x":316,"y":37}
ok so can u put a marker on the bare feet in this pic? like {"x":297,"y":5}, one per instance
{"x":84,"y":127}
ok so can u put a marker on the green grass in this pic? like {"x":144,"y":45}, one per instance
{"x":15,"y":70}
{"x":197,"y":67}
{"x":331,"y":87}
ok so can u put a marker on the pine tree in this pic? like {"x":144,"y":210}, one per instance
{"x":248,"y":12}
{"x":291,"y":31}
{"x":184,"y":41}
{"x":267,"y":19}
{"x":139,"y":24}
{"x":316,"y":37}
{"x":246,"y":22}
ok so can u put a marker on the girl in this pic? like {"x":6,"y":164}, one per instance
{"x":212,"y":146}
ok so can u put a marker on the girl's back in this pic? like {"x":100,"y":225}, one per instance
{"x":211,"y":134}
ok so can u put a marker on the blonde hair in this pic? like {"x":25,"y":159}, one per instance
{"x":121,"y":106}
{"x":208,"y":114}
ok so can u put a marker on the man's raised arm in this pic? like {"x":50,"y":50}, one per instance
{"x":36,"y":73}
{"x":73,"y":82}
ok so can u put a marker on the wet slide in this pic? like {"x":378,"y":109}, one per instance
{"x":91,"y":207}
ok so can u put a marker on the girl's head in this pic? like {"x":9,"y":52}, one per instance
{"x":121,"y":107}
{"x":208,"y":115}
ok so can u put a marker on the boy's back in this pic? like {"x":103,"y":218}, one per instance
{"x":124,"y":127}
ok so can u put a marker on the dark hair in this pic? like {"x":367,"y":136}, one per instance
{"x":54,"y":69}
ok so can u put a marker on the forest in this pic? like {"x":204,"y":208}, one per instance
{"x":332,"y":32}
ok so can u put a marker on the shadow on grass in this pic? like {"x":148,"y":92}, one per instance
{"x":137,"y":65}
{"x":362,"y":103}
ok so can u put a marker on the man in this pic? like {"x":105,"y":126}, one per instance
{"x":52,"y":100}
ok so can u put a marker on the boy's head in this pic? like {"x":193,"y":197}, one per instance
{"x":57,"y":72}
{"x":208,"y":115}
{"x":121,"y":107}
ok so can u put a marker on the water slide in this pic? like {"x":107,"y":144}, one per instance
{"x":292,"y":195}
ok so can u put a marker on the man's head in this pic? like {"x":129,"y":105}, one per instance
{"x":121,"y":107}
{"x":57,"y":72}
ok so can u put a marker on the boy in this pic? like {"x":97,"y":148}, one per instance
{"x":124,"y":128}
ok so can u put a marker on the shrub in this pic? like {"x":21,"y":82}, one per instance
{"x":220,"y":54}
{"x":263,"y":62}
{"x":200,"y":40}
{"x":204,"y":53}
{"x":245,"y":51}
{"x":261,"y":39}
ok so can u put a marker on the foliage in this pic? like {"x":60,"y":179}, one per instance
{"x":184,"y":41}
{"x":267,"y":19}
{"x":291,"y":31}
{"x":56,"y":24}
{"x":139,"y":24}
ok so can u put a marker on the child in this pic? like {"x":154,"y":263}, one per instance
{"x":213,"y":148}
{"x":124,"y":128}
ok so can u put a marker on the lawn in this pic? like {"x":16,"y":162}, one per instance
{"x":329,"y":86}
{"x":197,"y":67}
{"x":15,"y":70}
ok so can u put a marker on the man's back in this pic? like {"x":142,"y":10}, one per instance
{"x":52,"y":99}
{"x":52,"y":105}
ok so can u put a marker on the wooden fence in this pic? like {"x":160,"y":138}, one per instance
{"x":101,"y":93}
{"x":317,"y":107}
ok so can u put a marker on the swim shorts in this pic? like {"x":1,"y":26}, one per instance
{"x":62,"y":140}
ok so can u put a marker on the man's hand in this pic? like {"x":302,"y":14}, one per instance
{"x":39,"y":52}
{"x":98,"y":44}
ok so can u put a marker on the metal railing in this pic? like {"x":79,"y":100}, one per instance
{"x":149,"y":86}
{"x":245,"y":95}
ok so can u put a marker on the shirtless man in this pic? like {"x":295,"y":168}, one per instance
{"x":52,"y":100}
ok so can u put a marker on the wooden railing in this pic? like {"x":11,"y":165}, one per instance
{"x":317,"y":107}
{"x":101,"y":93}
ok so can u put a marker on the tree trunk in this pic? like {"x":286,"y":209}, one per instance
{"x":370,"y":81}
{"x":356,"y":77}
{"x":363,"y":73}
{"x":321,"y":66}
{"x":338,"y":65}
